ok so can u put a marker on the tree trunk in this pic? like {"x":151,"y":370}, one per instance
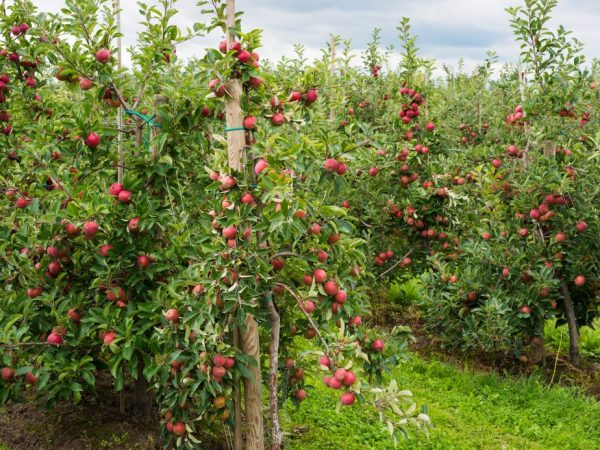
{"x":277,"y":437}
{"x":238,"y":438}
{"x":572,"y":323}
{"x":142,"y":400}
{"x":252,"y":388}
{"x":538,"y":355}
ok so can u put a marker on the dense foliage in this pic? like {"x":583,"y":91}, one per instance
{"x":138,"y":250}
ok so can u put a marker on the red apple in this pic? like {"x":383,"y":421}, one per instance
{"x":103,"y":55}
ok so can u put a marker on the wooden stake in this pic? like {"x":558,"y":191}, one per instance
{"x":236,"y":150}
{"x":238,"y":438}
{"x":120,"y":167}
{"x":277,"y":436}
{"x":236,"y":140}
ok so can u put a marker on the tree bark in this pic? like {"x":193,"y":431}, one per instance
{"x":236,"y":139}
{"x":538,"y":355}
{"x":249,"y":336}
{"x":238,"y":437}
{"x":252,"y":388}
{"x":277,"y":437}
{"x":142,"y":401}
{"x":571,"y":322}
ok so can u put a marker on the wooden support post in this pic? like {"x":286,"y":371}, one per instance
{"x":120,"y":167}
{"x":249,"y":335}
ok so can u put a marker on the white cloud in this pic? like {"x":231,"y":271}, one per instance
{"x":447,"y":29}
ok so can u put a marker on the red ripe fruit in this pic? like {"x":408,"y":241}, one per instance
{"x":179,"y":429}
{"x":278,"y":119}
{"x":333,"y":382}
{"x":523,"y":232}
{"x":260,"y":166}
{"x":308,"y":306}
{"x":496,"y":163}
{"x":115,"y":189}
{"x":22,"y":202}
{"x":356,"y":321}
{"x":250,"y":123}
{"x":341,"y":297}
{"x":255,"y":82}
{"x":315,"y":228}
{"x":8,"y":373}
{"x":581,"y":226}
{"x":219,"y":360}
{"x":229,"y":362}
{"x":331,"y":288}
{"x":109,"y":337}
{"x":54,"y":339}
{"x":320,"y":276}
{"x":300,"y":395}
{"x":560,"y":237}
{"x":103,"y":56}
{"x":74,"y":315}
{"x":378,"y":345}
{"x":134,"y":225}
{"x":34,"y":292}
{"x":92,"y":140}
{"x":295,"y":96}
{"x":373,"y":171}
{"x":333,"y":238}
{"x":31,"y":379}
{"x":322,"y":256}
{"x":172,"y":315}
{"x":277,"y":263}
{"x":430,"y":126}
{"x":324,"y":361}
{"x":486,"y":236}
{"x":230,"y":232}
{"x":579,"y":280}
{"x":244,"y":56}
{"x":85,"y":84}
{"x":143,"y":262}
{"x":349,"y":379}
{"x":125,"y":196}
{"x":54,"y":268}
{"x":348,"y":398}
{"x":330,"y":165}
{"x":307,"y":279}
{"x":311,"y":96}
{"x":71,"y":230}
{"x":198,"y":289}
{"x":525,"y":309}
{"x":90,"y":229}
{"x":340,"y":374}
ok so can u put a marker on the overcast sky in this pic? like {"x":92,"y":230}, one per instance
{"x":446,"y":29}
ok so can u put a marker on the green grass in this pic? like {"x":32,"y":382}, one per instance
{"x":589,"y":339}
{"x":469,"y":411}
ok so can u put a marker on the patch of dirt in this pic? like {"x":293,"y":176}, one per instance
{"x":96,"y":423}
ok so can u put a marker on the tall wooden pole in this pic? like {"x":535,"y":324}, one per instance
{"x":236,"y":148}
{"x":120,"y":168}
{"x":236,"y":139}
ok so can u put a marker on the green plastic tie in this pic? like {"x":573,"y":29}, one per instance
{"x":148,"y":120}
{"x":227,"y":130}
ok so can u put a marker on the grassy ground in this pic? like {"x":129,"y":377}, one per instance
{"x":469,"y":411}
